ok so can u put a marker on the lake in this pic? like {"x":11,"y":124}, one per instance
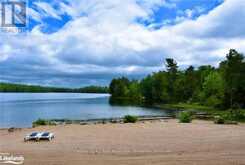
{"x":21,"y":109}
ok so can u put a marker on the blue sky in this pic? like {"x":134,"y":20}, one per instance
{"x":88,"y":42}
{"x":159,"y":16}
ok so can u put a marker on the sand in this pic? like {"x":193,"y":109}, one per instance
{"x":160,"y":142}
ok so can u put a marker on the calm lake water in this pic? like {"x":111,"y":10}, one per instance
{"x":21,"y":109}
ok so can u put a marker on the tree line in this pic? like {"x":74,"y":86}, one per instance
{"x":222,"y":87}
{"x":9,"y":87}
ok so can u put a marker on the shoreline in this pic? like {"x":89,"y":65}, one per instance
{"x":199,"y":115}
{"x":117,"y":120}
{"x":110,"y":120}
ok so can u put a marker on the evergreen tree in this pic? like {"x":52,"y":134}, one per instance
{"x":172,"y":70}
{"x":234,"y":75}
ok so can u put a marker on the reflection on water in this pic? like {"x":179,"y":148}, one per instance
{"x":21,"y":109}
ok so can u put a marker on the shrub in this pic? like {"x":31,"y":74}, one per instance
{"x":219,"y":120}
{"x":237,"y":115}
{"x":234,"y":115}
{"x":42,"y":122}
{"x":185,"y":117}
{"x":213,"y":101}
{"x":130,"y":119}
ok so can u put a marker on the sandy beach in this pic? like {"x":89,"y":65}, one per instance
{"x":159,"y":142}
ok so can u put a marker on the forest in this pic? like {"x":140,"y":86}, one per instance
{"x":221,"y":87}
{"x":9,"y":87}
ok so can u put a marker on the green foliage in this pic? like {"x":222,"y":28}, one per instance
{"x":130,"y":119}
{"x":171,"y":66}
{"x":134,"y":90}
{"x":92,"y":89}
{"x":221,"y":88}
{"x":213,"y":84}
{"x":146,"y":89}
{"x":172,"y":74}
{"x":7,"y":87}
{"x":238,"y":115}
{"x":233,"y":71}
{"x":190,"y":81}
{"x":123,"y":89}
{"x":219,"y":120}
{"x":119,"y":87}
{"x":41,"y":122}
{"x":154,"y":88}
{"x":230,"y":116}
{"x":124,"y":101}
{"x":185,"y":117}
{"x":235,"y":115}
{"x":212,"y":92}
{"x":213,"y":89}
{"x":213,"y":101}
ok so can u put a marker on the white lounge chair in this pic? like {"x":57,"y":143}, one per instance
{"x":46,"y":136}
{"x":32,"y":136}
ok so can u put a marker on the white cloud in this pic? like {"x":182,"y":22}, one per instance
{"x":103,"y":40}
{"x":34,"y":15}
{"x":224,"y":21}
{"x":48,"y":10}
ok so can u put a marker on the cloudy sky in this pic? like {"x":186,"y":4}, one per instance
{"x":88,"y":42}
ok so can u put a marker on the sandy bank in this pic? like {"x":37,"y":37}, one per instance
{"x":166,"y":142}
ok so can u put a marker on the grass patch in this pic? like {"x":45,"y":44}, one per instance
{"x":228,"y":115}
{"x":185,"y":106}
{"x":130,"y":119}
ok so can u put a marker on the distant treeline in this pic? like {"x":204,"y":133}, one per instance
{"x":222,"y":87}
{"x":92,"y":89}
{"x":9,"y":87}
